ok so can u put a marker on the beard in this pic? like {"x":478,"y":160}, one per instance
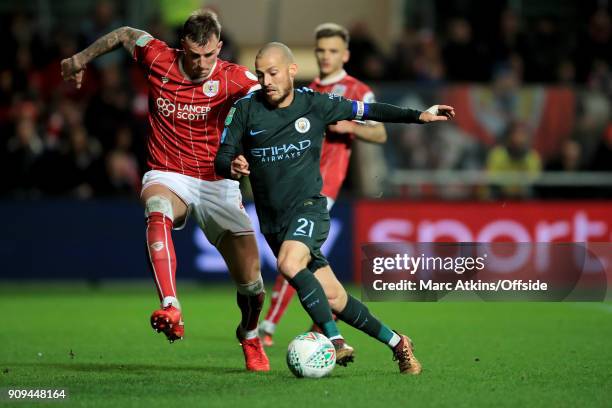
{"x":278,"y":96}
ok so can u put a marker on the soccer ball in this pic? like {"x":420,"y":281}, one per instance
{"x":311,"y":355}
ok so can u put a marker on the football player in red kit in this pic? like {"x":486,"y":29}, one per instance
{"x":190,"y":94}
{"x":332,"y":53}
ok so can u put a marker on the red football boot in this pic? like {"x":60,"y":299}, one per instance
{"x":169,"y":321}
{"x":254,"y":354}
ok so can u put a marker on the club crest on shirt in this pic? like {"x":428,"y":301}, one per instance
{"x":302,"y":125}
{"x":211,"y":88}
{"x":338,"y":89}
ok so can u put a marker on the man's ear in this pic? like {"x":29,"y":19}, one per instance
{"x":293,"y":69}
{"x":346,"y":56}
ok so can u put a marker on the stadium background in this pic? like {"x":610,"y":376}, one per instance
{"x":79,"y":154}
{"x":71,"y":161}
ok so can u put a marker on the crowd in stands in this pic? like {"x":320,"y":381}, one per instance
{"x":60,"y":142}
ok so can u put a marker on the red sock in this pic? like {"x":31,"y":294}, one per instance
{"x":282,"y":293}
{"x":250,"y":307}
{"x":161,"y":253}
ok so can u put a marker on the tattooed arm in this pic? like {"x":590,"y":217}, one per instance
{"x":73,"y":68}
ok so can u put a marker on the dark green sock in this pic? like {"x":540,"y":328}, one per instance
{"x":358,"y":315}
{"x":313,"y":300}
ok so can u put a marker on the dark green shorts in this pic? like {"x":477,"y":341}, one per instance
{"x":309,"y":226}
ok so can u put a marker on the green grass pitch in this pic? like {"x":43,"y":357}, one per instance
{"x":97,"y":344}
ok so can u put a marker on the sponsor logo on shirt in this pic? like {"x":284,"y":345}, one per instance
{"x":282,"y":152}
{"x":181,"y":110}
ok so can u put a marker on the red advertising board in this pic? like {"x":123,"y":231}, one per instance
{"x":567,"y":221}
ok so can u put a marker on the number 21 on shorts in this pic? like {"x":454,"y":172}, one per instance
{"x":304,"y":228}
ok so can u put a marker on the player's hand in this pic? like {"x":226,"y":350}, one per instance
{"x":436,"y":113}
{"x":239,"y":167}
{"x":343,"y":126}
{"x":73,"y":70}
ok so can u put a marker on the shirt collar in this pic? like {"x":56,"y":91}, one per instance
{"x":180,"y":65}
{"x":332,"y":79}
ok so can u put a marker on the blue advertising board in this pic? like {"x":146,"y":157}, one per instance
{"x":96,"y":240}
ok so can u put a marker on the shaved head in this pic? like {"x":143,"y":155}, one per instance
{"x":276,"y":69}
{"x":279,"y":49}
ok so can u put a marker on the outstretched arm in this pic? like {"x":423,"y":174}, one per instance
{"x":335,"y":108}
{"x":382,"y":112}
{"x":73,"y":68}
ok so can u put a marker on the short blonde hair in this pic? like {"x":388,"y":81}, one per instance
{"x":327,"y":30}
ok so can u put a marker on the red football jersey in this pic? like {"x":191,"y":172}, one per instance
{"x":336,"y":150}
{"x":187,"y":117}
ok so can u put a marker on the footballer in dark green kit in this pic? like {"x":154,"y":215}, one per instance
{"x":274,"y":135}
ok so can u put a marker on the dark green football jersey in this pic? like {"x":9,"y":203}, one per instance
{"x":283,"y":148}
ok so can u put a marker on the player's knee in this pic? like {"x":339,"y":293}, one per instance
{"x":252,"y":288}
{"x":159,"y":204}
{"x":336,"y":296}
{"x":289,"y":267}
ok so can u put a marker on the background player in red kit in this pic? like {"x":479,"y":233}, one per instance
{"x":332,"y":53}
{"x":190,"y":94}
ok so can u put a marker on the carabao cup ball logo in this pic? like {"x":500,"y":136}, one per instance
{"x":302,"y":125}
{"x":164,"y":106}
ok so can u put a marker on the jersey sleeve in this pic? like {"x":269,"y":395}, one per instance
{"x":367,"y":96}
{"x":333,"y":108}
{"x":231,"y":139}
{"x":243,"y":81}
{"x":147,"y":50}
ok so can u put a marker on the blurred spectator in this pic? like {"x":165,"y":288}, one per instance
{"x":510,"y":41}
{"x":545,"y":48}
{"x":123,"y":177}
{"x":404,"y":53}
{"x":600,"y":78}
{"x":602,"y":160}
{"x":569,"y":158}
{"x":516,"y":158}
{"x":409,"y":149}
{"x":566,"y":73}
{"x":103,"y":21}
{"x":24,"y":150}
{"x":595,"y":44}
{"x":74,"y":169}
{"x":367,"y":61}
{"x":122,"y":174}
{"x":463,"y":58}
{"x":110,"y":107}
{"x":65,"y":114}
{"x":428,"y":67}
